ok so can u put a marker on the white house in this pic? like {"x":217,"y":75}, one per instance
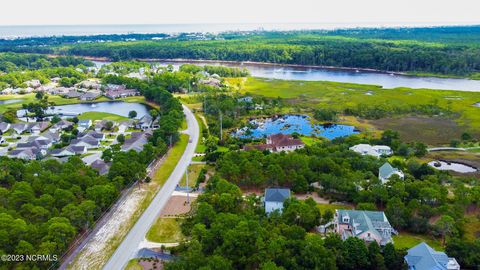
{"x":84,"y":125}
{"x":375,"y":150}
{"x":387,"y":171}
{"x":274,"y":198}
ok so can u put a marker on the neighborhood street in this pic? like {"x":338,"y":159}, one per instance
{"x":129,"y":247}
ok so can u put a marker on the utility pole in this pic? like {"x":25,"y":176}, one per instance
{"x":188,"y":188}
{"x":221,"y":126}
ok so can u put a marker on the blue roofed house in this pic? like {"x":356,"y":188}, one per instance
{"x":274,"y":198}
{"x":367,"y":225}
{"x":423,"y":257}
{"x":387,"y":171}
{"x":84,"y":125}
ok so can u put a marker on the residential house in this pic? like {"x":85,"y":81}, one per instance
{"x":101,"y":166}
{"x":72,"y":94}
{"x":90,"y":84}
{"x":278,"y":143}
{"x":101,"y":125}
{"x":20,"y":128}
{"x":211,"y":82}
{"x":97,"y":135}
{"x":42,"y":144}
{"x":145,"y":122}
{"x":38,"y":127}
{"x":423,"y":257}
{"x":25,"y":153}
{"x":53,"y":136}
{"x":84,"y":125}
{"x":387,"y":171}
{"x":61,"y":125}
{"x":33,"y":83}
{"x":124,"y":125}
{"x":87,"y":141}
{"x":4,"y":127}
{"x":375,"y":150}
{"x":367,"y":225}
{"x":136,"y":142}
{"x":274,"y":199}
{"x":70,"y":150}
{"x":89,"y":96}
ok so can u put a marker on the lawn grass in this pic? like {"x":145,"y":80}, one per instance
{"x":102,"y":116}
{"x":332,"y":207}
{"x":165,"y":230}
{"x":200,"y":146}
{"x":193,"y":173}
{"x":171,"y":160}
{"x":472,"y":227}
{"x":310,"y":140}
{"x":408,"y":240}
{"x":133,"y":265}
{"x":338,"y":96}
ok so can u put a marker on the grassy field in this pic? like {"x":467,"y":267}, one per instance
{"x":165,"y":230}
{"x":332,"y":207}
{"x":338,"y":96}
{"x":193,"y":172}
{"x":102,"y":116}
{"x":171,"y":160}
{"x":133,"y":265}
{"x":407,"y":240}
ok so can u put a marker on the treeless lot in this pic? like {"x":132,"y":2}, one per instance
{"x":430,"y":130}
{"x":177,"y":205}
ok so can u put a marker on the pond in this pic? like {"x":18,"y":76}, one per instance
{"x":451,"y":166}
{"x":289,"y":124}
{"x":10,"y":101}
{"x":114,"y":107}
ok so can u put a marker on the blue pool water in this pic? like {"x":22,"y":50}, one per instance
{"x":289,"y":124}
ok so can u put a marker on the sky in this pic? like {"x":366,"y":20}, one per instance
{"x":382,"y":12}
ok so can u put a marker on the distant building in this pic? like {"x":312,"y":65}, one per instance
{"x":70,"y":150}
{"x":274,"y":198}
{"x":278,"y":143}
{"x":72,"y":94}
{"x":423,"y":257}
{"x":387,"y":171}
{"x":367,"y":225}
{"x":375,"y":150}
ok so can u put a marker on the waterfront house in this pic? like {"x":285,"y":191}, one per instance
{"x":53,"y":136}
{"x":274,"y":199}
{"x":145,"y":122}
{"x":387,"y":171}
{"x":124,"y":125}
{"x":89,"y":96}
{"x":72,"y":94}
{"x":278,"y":143}
{"x":367,"y":225}
{"x":84,"y":125}
{"x":423,"y":257}
{"x":374,"y":151}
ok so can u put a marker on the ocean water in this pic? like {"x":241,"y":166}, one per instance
{"x":85,"y":30}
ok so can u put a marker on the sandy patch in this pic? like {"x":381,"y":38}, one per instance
{"x":177,"y":205}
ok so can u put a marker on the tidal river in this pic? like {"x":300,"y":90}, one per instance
{"x":349,"y":76}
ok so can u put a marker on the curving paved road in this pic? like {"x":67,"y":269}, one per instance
{"x":129,"y":247}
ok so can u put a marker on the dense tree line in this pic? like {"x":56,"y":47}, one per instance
{"x":227,"y":231}
{"x":10,"y":62}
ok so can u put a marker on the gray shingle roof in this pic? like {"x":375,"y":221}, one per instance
{"x":423,"y":257}
{"x":277,"y":194}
